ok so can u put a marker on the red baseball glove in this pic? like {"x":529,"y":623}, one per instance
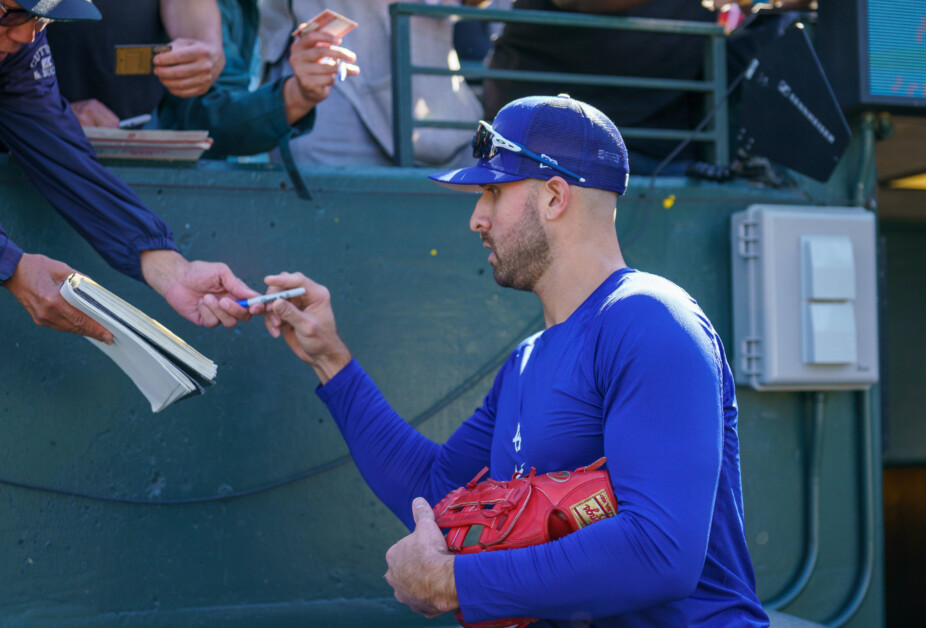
{"x":526,"y":510}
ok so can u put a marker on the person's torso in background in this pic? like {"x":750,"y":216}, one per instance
{"x":85,"y":57}
{"x":354,"y":124}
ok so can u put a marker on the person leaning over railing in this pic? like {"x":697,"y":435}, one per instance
{"x":574,"y":50}
{"x":85,"y":57}
{"x":41,"y":132}
{"x":244,"y":122}
{"x":354,"y":127}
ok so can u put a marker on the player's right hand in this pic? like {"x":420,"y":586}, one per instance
{"x":35,"y":284}
{"x":306,"y":323}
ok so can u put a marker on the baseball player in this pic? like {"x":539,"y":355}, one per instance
{"x":628,"y":367}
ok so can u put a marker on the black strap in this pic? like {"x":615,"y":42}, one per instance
{"x":286,"y":153}
{"x":302,"y":190}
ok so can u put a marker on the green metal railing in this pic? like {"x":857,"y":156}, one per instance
{"x":713,"y":86}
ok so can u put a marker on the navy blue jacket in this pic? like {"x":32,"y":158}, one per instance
{"x":37,"y":126}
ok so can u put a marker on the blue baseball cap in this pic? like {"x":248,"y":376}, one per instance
{"x":569,"y":133}
{"x":62,"y":10}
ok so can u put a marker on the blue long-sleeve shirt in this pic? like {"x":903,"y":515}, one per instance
{"x":637,"y":374}
{"x":37,"y":126}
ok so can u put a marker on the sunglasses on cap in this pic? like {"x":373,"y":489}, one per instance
{"x":487,"y":141}
{"x":18,"y":17}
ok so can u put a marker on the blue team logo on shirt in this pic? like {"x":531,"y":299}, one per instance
{"x":42,"y":64}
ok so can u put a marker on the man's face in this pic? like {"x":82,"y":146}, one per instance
{"x":508,"y":221}
{"x":13,"y":37}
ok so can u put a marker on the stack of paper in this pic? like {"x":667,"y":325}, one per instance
{"x":147,"y":144}
{"x":163,"y":366}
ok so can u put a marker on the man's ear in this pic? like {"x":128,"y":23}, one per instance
{"x":556,"y":197}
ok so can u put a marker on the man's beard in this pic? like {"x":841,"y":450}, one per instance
{"x":527,"y":256}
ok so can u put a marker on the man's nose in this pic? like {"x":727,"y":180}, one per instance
{"x":479,"y":221}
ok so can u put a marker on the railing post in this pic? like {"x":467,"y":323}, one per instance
{"x":716,"y":72}
{"x":401,"y":94}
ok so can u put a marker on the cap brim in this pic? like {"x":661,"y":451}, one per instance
{"x":63,"y":10}
{"x":469,"y":179}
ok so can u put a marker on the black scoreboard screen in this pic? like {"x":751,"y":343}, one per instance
{"x":874,"y":53}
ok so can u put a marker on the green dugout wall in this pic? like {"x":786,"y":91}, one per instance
{"x":246,"y":510}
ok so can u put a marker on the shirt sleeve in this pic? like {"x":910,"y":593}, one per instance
{"x":239,"y":121}
{"x":10,"y":255}
{"x":397,"y":461}
{"x":37,"y":126}
{"x":662,"y":411}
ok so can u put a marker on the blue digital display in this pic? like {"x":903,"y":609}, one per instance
{"x":897,"y":48}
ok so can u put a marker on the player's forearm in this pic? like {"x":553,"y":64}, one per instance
{"x":395,"y":459}
{"x":615,"y":566}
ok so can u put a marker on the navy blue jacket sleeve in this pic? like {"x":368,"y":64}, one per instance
{"x":37,"y":126}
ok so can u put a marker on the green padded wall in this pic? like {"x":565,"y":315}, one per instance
{"x":416,"y":301}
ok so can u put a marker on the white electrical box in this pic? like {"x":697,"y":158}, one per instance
{"x":804,"y":298}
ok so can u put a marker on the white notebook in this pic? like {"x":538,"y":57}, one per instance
{"x":164,"y":368}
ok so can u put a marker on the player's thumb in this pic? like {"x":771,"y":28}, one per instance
{"x":286,"y":311}
{"x":422,"y":511}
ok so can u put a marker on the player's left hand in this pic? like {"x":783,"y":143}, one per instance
{"x":189,"y":68}
{"x":421,"y":567}
{"x":202,"y":292}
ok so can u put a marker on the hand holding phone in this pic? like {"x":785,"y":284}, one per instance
{"x":328,"y":22}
